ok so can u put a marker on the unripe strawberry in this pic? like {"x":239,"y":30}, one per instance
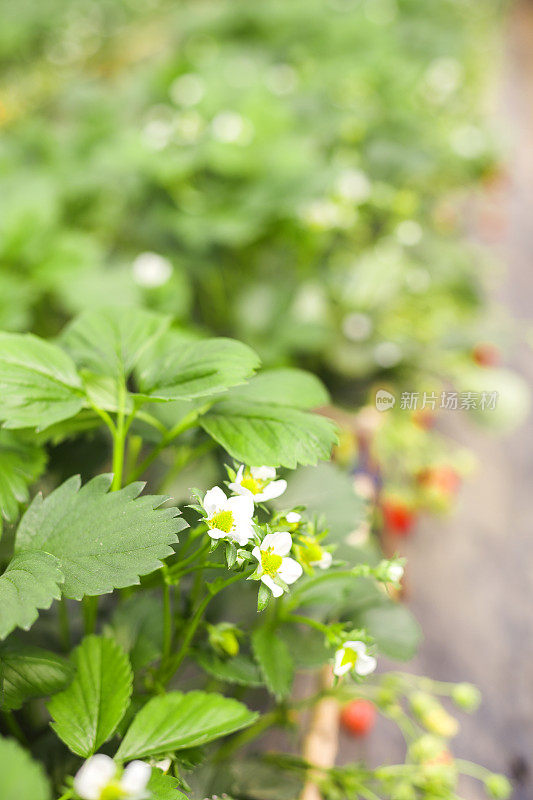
{"x":466,"y":696}
{"x":498,"y":787}
{"x":486,"y":355}
{"x":358,"y":717}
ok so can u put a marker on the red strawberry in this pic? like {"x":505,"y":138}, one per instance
{"x":358,"y":717}
{"x":399,"y":517}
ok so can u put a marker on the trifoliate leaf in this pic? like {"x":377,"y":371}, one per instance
{"x":29,"y":672}
{"x":285,"y":387}
{"x":21,"y":463}
{"x":274,"y":659}
{"x":22,"y":778}
{"x":88,"y":712}
{"x":177,"y":368}
{"x":164,"y":787}
{"x":102,"y":540}
{"x":110,"y":341}
{"x":263,"y":433}
{"x":30,"y":582}
{"x":176,"y":721}
{"x":39,"y":384}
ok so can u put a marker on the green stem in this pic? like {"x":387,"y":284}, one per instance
{"x":67,"y":795}
{"x":189,"y":421}
{"x":173,"y":664}
{"x":14,"y":727}
{"x":90,"y":612}
{"x":64,"y":625}
{"x":119,"y":442}
{"x":167,"y":619}
{"x":312,"y":623}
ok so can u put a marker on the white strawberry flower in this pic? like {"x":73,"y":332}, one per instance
{"x":272,"y":555}
{"x":258,"y":483}
{"x":311,"y":554}
{"x":99,"y":779}
{"x":293,"y":517}
{"x":353,"y":657}
{"x":229,"y":517}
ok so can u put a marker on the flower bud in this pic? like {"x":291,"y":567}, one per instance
{"x":498,"y":786}
{"x":466,"y":696}
{"x":223,"y":639}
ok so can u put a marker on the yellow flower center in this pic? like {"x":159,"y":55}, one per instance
{"x":311,"y":551}
{"x":350,"y":657}
{"x":113,"y":791}
{"x":270,"y":562}
{"x":222,"y":521}
{"x":254,"y":485}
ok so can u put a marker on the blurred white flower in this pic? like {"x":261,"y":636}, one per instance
{"x":187,"y":90}
{"x":151,"y":270}
{"x":353,"y":185}
{"x":231,"y":128}
{"x":352,"y":657}
{"x":409,"y":232}
{"x":229,"y":518}
{"x":273,"y":559}
{"x":387,"y":354}
{"x":395,"y":572}
{"x":99,"y":779}
{"x":258,"y":482}
{"x":468,"y":141}
{"x":357,"y":327}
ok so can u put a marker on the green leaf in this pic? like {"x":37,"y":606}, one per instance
{"x":30,"y":672}
{"x":274,"y":659}
{"x":30,"y":582}
{"x":286,"y":387}
{"x":177,"y":368}
{"x":22,"y":777}
{"x":164,"y":787}
{"x":262,"y":433}
{"x":39,"y":384}
{"x":240,"y":669}
{"x":110,"y":341}
{"x":176,"y":721}
{"x":102,"y":540}
{"x":21,"y":463}
{"x":87,"y":713}
{"x":394,"y":628}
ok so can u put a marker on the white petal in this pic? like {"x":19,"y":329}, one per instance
{"x":272,"y":490}
{"x":213,"y":500}
{"x":339,"y":668}
{"x":215,"y":533}
{"x":355,"y":646}
{"x":257,"y":553}
{"x":241,"y":506}
{"x":293,"y":517}
{"x":280,"y":543}
{"x":94,"y":776}
{"x":263,"y":473}
{"x":365,"y":664}
{"x":290,"y":570}
{"x":135,"y":778}
{"x":276,"y":590}
{"x":236,"y":488}
{"x":240,"y":474}
{"x":243,"y":533}
{"x":164,"y":764}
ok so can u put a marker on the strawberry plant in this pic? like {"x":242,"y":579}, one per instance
{"x":144,"y":644}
